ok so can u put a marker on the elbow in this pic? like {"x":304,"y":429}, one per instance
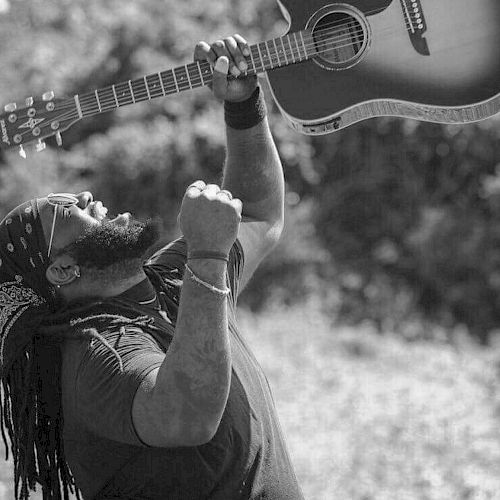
{"x":199,"y":434}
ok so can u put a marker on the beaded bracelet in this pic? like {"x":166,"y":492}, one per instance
{"x":219,"y":291}
{"x":207,"y":254}
{"x":246,"y":114}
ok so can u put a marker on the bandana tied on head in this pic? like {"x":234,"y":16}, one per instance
{"x":30,"y":406}
{"x":26,"y":297}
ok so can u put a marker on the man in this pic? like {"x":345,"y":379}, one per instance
{"x":158,"y":392}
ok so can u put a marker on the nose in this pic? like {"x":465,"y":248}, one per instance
{"x":84,"y":198}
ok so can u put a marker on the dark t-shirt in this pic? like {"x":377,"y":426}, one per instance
{"x":247,"y":457}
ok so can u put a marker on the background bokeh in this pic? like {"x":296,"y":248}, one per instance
{"x":376,"y":317}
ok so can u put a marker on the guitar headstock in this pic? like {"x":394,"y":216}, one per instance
{"x":37,"y":120}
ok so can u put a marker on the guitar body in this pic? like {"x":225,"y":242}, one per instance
{"x":437,"y":63}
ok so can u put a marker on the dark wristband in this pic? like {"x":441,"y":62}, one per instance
{"x":246,"y":114}
{"x":207,"y":254}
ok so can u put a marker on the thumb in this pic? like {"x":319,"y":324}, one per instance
{"x":220,"y":77}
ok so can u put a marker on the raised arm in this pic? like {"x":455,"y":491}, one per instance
{"x":182,"y":402}
{"x":253,"y":170}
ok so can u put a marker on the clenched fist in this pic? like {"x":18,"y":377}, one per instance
{"x":209,"y":218}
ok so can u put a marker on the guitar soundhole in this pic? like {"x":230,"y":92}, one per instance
{"x":340,"y":38}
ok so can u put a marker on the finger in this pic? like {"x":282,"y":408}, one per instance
{"x":238,"y":61}
{"x":235,"y":49}
{"x":225,"y":195}
{"x":220,"y":49}
{"x":203,"y":52}
{"x":194,"y":189}
{"x":219,"y":80}
{"x":238,"y":205}
{"x":242,"y":44}
{"x":211,"y":191}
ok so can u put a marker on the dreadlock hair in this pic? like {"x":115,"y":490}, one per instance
{"x":31,"y":400}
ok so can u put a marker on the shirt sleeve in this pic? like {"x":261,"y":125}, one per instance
{"x":173,"y":257}
{"x":105,"y":390}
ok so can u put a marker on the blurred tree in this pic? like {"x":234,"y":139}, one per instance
{"x":384,"y":219}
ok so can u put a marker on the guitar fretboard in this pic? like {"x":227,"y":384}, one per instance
{"x":277,"y":52}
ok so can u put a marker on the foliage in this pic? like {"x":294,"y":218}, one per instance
{"x":385,"y":220}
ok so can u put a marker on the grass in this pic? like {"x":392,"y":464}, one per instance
{"x":371,"y":417}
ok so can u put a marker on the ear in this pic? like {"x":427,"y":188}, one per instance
{"x":63,"y":271}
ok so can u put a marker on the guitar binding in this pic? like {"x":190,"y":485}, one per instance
{"x":341,"y":36}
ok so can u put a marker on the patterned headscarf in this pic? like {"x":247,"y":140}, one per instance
{"x":26,"y":296}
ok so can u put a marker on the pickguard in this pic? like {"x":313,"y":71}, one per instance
{"x":413,"y":14}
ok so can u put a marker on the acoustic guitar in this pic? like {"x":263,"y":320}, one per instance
{"x":339,"y":63}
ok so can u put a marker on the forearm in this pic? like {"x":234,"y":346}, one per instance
{"x":196,"y":374}
{"x":253,"y":172}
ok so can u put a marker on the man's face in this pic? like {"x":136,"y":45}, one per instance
{"x":84,"y":231}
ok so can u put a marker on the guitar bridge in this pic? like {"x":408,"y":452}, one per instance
{"x":416,"y":25}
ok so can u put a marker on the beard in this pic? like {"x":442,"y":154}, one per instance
{"x":114,"y":249}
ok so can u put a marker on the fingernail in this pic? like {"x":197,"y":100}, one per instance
{"x":246,"y":51}
{"x":243,"y":66}
{"x":221,"y":65}
{"x":235,"y":71}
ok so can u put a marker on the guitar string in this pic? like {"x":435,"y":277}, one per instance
{"x":170,"y":82}
{"x":325,"y":28}
{"x":196,"y":81}
{"x":169,"y":90}
{"x":304,"y":47}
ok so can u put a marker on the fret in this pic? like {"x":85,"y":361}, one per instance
{"x":169,"y":82}
{"x":284,"y":50}
{"x":114,"y":95}
{"x":269,"y":55}
{"x":161,"y":83}
{"x":147,"y":88}
{"x":297,"y":44}
{"x":291,"y":49}
{"x":252,"y":61}
{"x":78,"y":106}
{"x":206,"y":72}
{"x":186,"y":69}
{"x":277,"y":52}
{"x":181,"y":78}
{"x":193,"y":70}
{"x":303,"y":44}
{"x":200,"y":73}
{"x":124,"y":94}
{"x":274,"y":51}
{"x":131,"y":91}
{"x":139,"y":89}
{"x":260,"y":57}
{"x":154,"y":86}
{"x":105,"y":99}
{"x":98,"y":102}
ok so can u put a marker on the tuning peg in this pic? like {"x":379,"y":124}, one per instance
{"x":59,"y":138}
{"x":29,"y":101}
{"x":40,"y":146}
{"x":22,"y":152}
{"x":48,"y":96}
{"x":9,"y":108}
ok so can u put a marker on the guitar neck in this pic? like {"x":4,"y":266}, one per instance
{"x":264,"y":56}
